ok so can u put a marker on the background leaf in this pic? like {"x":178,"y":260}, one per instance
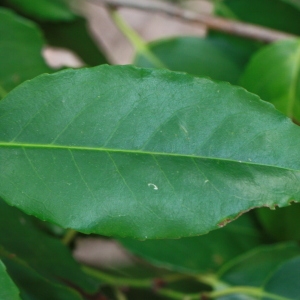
{"x":269,"y":13}
{"x":19,"y":236}
{"x":199,"y":254}
{"x":8,"y":289}
{"x":49,"y":10}
{"x":295,"y":3}
{"x":281,"y":223}
{"x":20,"y":39}
{"x":143,"y":153}
{"x":269,"y":268}
{"x":285,"y":280}
{"x":74,"y":36}
{"x":210,"y":57}
{"x":252,"y":268}
{"x":32,"y":285}
{"x":262,"y":76}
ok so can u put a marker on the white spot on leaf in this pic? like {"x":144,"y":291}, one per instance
{"x":153,"y":185}
{"x":184,"y":129}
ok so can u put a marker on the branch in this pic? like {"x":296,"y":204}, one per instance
{"x":246,"y":30}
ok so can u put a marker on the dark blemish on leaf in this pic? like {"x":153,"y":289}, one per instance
{"x":228,"y":220}
{"x":224,"y":222}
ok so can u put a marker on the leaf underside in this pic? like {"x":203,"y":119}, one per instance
{"x":118,"y":150}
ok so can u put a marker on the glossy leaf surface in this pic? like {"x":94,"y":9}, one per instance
{"x":197,"y":56}
{"x":143,"y":153}
{"x":20,"y":39}
{"x":49,"y":10}
{"x":8,"y":289}
{"x":19,"y":236}
{"x":199,"y":254}
{"x":273,"y":74}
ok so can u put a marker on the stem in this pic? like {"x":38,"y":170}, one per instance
{"x":178,"y":295}
{"x":69,"y":236}
{"x":209,"y":280}
{"x":137,"y":42}
{"x":221,"y":24}
{"x":245,"y":290}
{"x":118,"y":281}
{"x":143,"y":283}
{"x":121,"y":281}
{"x":119,"y":295}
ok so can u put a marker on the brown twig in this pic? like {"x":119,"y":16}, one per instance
{"x":246,"y":30}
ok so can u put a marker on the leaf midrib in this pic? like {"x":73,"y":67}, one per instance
{"x":126,"y":151}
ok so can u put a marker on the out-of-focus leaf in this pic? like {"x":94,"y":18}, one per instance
{"x":144,"y":153}
{"x":48,"y":10}
{"x":270,"y":13}
{"x":282,"y":224}
{"x":76,"y":37}
{"x":31,"y":284}
{"x":275,"y":14}
{"x":273,"y":74}
{"x":199,"y":254}
{"x":45,"y":254}
{"x":285,"y":280}
{"x":213,"y":57}
{"x":295,"y":3}
{"x":20,"y":51}
{"x":274,"y":270}
{"x":252,"y":268}
{"x":8,"y":289}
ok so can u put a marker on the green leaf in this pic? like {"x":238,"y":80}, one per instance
{"x":47,"y":10}
{"x":19,"y":236}
{"x":269,"y":13}
{"x":273,"y":74}
{"x":144,"y":153}
{"x":20,"y":51}
{"x":285,"y":280}
{"x":199,"y":254}
{"x":198,"y":56}
{"x":295,"y":3}
{"x":76,"y":37}
{"x":31,"y":284}
{"x":8,"y":289}
{"x":252,"y":268}
{"x":274,"y":270}
{"x":281,"y":223}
